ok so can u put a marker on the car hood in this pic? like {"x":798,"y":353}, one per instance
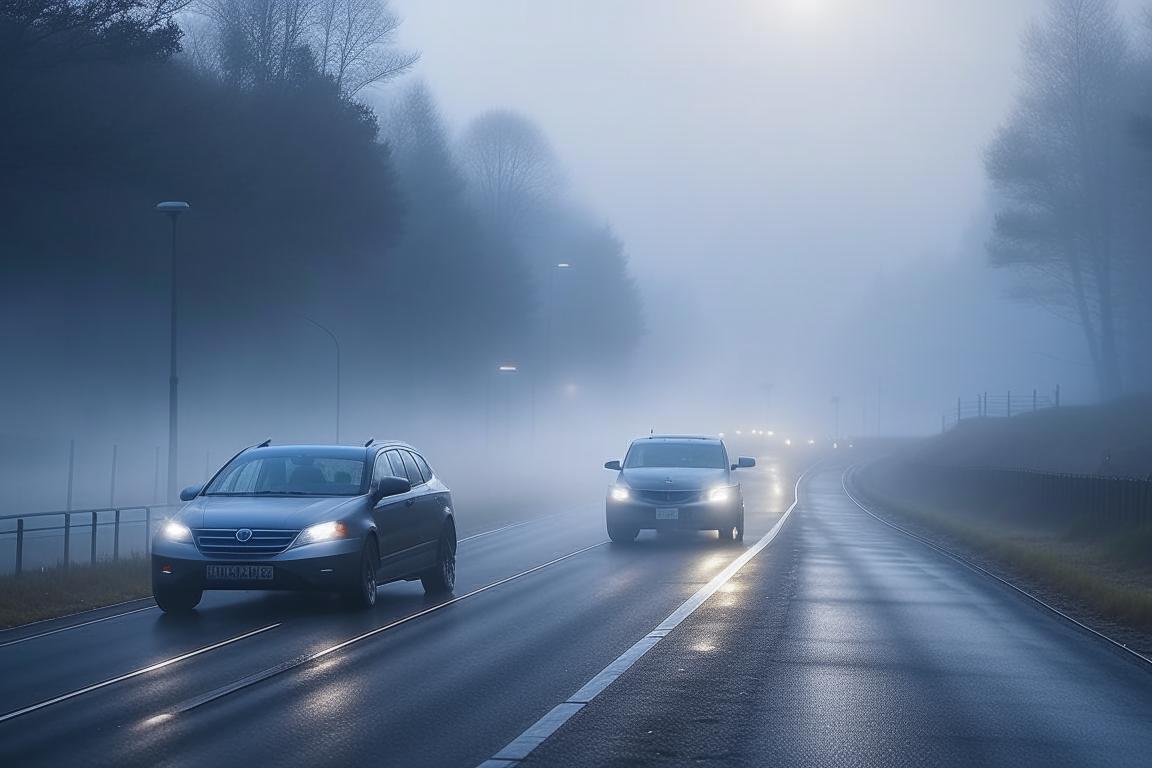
{"x":672,"y":478}
{"x":277,"y":512}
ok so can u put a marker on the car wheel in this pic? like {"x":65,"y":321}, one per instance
{"x":725,"y":533}
{"x":362,"y":594}
{"x":172,"y":599}
{"x":441,"y":578}
{"x":622,"y":534}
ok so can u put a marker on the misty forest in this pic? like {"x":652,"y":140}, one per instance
{"x":333,"y":204}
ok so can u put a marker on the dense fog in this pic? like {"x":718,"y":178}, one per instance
{"x":817,"y":217}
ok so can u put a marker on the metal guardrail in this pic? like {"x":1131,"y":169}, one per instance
{"x":1087,"y":504}
{"x":146,"y":515}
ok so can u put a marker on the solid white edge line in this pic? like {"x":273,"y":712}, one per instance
{"x":285,"y":666}
{"x":75,"y":626}
{"x":1136,"y":655}
{"x":129,"y":675}
{"x":524,"y":744}
{"x":74,"y":614}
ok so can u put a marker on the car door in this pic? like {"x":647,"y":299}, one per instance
{"x":424,"y":531}
{"x":435,"y":503}
{"x":389,"y":514}
{"x":406,"y":515}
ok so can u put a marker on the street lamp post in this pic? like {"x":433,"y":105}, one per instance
{"x":172,"y":209}
{"x":335,"y":341}
{"x":504,"y":369}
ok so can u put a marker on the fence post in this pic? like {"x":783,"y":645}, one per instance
{"x":112,"y":483}
{"x":95,"y":521}
{"x":147,"y":531}
{"x":71,"y":471}
{"x":67,"y":539}
{"x":19,"y":545}
{"x":985,"y":403}
{"x":116,"y":538}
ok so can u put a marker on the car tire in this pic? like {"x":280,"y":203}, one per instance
{"x":726,"y":532}
{"x":441,"y":579}
{"x":173,"y":599}
{"x":622,"y":534}
{"x":362,"y":594}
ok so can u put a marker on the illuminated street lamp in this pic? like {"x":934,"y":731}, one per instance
{"x":172,"y":209}
{"x":505,"y":369}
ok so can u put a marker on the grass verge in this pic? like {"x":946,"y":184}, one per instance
{"x":56,"y":592}
{"x":1083,"y":575}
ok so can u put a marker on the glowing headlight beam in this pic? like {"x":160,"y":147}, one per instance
{"x":174,"y":531}
{"x":619,"y":493}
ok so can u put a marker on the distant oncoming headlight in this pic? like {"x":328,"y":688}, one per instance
{"x":322,"y":532}
{"x":174,"y":531}
{"x":719,"y":494}
{"x":619,"y":493}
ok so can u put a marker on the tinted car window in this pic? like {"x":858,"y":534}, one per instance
{"x":397,"y":465}
{"x":696,"y":454}
{"x":425,"y":470}
{"x":290,"y":474}
{"x":382,"y":468}
{"x":413,"y":471}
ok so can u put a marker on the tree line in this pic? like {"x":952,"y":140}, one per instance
{"x":433,"y":253}
{"x":1072,"y":172}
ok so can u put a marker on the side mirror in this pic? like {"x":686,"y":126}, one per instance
{"x":744,"y":463}
{"x":390,"y":486}
{"x":613,"y":465}
{"x":191,"y":492}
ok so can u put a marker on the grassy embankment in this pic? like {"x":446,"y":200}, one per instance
{"x":1106,"y":577}
{"x":55,"y":592}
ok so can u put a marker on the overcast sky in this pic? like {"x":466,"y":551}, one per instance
{"x":771,"y":158}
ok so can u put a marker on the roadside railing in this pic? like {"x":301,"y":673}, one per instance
{"x":998,"y":405}
{"x":1085,"y":503}
{"x":48,"y":539}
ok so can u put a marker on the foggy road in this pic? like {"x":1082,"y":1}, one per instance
{"x":848,"y":643}
{"x":450,"y":686}
{"x":841,"y":641}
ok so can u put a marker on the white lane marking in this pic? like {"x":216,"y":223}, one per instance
{"x":76,"y":626}
{"x":524,"y":744}
{"x":25,"y":625}
{"x":153,"y":607}
{"x":968,"y":563}
{"x":302,"y":660}
{"x":137,"y":673}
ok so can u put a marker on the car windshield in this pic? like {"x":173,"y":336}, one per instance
{"x":300,"y":474}
{"x":696,"y":454}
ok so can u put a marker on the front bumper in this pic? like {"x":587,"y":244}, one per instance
{"x":693,"y":516}
{"x":330,"y":565}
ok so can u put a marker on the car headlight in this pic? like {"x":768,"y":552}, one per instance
{"x":174,"y":531}
{"x":321,"y":532}
{"x":719,"y":494}
{"x":619,"y":493}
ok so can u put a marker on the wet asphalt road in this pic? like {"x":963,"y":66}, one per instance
{"x":444,"y":688}
{"x":843,"y":643}
{"x":848,"y":644}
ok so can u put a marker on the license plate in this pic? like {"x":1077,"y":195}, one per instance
{"x":240,"y":572}
{"x":667,"y":513}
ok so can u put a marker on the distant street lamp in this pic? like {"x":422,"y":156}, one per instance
{"x":505,"y":369}
{"x":172,"y":209}
{"x":335,"y":341}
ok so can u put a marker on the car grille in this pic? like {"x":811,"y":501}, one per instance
{"x":668,"y":497}
{"x":223,"y":541}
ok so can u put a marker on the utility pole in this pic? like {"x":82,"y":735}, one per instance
{"x":172,"y":209}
